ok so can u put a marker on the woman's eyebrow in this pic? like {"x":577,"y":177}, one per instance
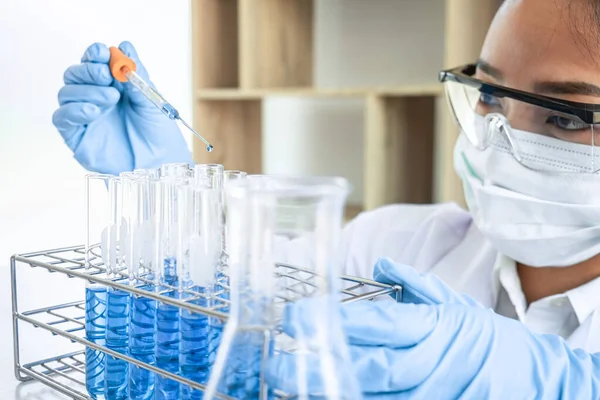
{"x":487,"y":69}
{"x":567,"y":87}
{"x":546,"y":87}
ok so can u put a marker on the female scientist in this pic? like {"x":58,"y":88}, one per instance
{"x":526,"y":255}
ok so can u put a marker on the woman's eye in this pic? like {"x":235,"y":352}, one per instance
{"x":489,"y":100}
{"x":567,"y":123}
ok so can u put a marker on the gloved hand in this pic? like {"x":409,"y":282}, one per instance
{"x":418,"y":288}
{"x":110,"y":126}
{"x":446,"y":346}
{"x":451,"y":351}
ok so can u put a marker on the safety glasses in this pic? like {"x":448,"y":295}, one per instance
{"x":541,"y":132}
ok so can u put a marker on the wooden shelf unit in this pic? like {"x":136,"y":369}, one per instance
{"x":247,"y":50}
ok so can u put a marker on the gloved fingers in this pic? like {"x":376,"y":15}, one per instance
{"x":96,"y":53}
{"x":296,"y":374}
{"x":413,"y":288}
{"x":129,"y":50}
{"x":394,"y":325}
{"x":384,"y":396}
{"x":418,"y":288}
{"x":301,"y":317}
{"x":403,"y":368}
{"x":101,"y":96}
{"x":378,"y":370}
{"x":69,"y":118}
{"x":386,"y":370}
{"x":365,"y":323}
{"x":134,"y":95}
{"x":88,"y":73}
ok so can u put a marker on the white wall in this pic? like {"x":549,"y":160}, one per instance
{"x":42,"y":192}
{"x":358,"y":43}
{"x":41,"y":185}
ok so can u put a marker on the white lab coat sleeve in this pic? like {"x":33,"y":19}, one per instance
{"x":412,"y":234}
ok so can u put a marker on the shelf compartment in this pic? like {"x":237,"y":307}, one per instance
{"x":399,"y":144}
{"x":215,"y":43}
{"x":234,"y":127}
{"x":276,"y":43}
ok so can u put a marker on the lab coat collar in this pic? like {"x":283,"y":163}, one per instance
{"x":505,"y":275}
{"x":583,"y":299}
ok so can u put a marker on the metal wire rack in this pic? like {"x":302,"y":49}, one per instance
{"x":66,"y":372}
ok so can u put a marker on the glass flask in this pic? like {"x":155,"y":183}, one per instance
{"x":269,"y":218}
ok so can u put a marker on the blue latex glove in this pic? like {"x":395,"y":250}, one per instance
{"x":418,"y":288}
{"x":447,"y":351}
{"x":450,"y":351}
{"x":110,"y":126}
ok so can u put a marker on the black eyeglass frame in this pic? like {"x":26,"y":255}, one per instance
{"x":587,"y":113}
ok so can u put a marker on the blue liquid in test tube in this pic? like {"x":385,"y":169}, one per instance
{"x":117,"y":339}
{"x":200,"y":249}
{"x":167,"y":316}
{"x":118,"y":301}
{"x":95,"y":329}
{"x":142,"y":336}
{"x":194,"y":360}
{"x":142,"y":342}
{"x":167,"y":343}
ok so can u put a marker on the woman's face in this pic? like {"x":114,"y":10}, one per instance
{"x":549,"y":47}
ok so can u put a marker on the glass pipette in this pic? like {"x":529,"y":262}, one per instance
{"x":123,"y":69}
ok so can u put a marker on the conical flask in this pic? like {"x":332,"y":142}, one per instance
{"x":283,"y":234}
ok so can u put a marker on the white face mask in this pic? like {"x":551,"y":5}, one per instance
{"x":536,"y":218}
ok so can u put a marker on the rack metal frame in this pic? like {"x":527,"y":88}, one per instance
{"x":66,"y":372}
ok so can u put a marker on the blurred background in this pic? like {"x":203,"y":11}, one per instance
{"x":318,"y":87}
{"x":331,"y":87}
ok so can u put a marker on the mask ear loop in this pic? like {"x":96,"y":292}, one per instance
{"x":498,"y":124}
{"x":595,"y":167}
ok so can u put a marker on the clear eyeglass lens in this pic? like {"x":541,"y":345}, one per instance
{"x":539,"y":138}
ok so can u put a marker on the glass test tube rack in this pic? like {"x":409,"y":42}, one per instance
{"x":65,"y":373}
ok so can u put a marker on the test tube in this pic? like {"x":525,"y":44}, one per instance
{"x":150,"y":172}
{"x":174,"y":169}
{"x":229,"y":176}
{"x":232,"y":175}
{"x":141,"y":272}
{"x":167,"y":316}
{"x":117,"y":308}
{"x":260,"y":212}
{"x":99,"y":251}
{"x":222,"y":283}
{"x":210,"y":175}
{"x":200,"y":247}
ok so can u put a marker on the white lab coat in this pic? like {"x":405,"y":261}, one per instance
{"x":442,"y":239}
